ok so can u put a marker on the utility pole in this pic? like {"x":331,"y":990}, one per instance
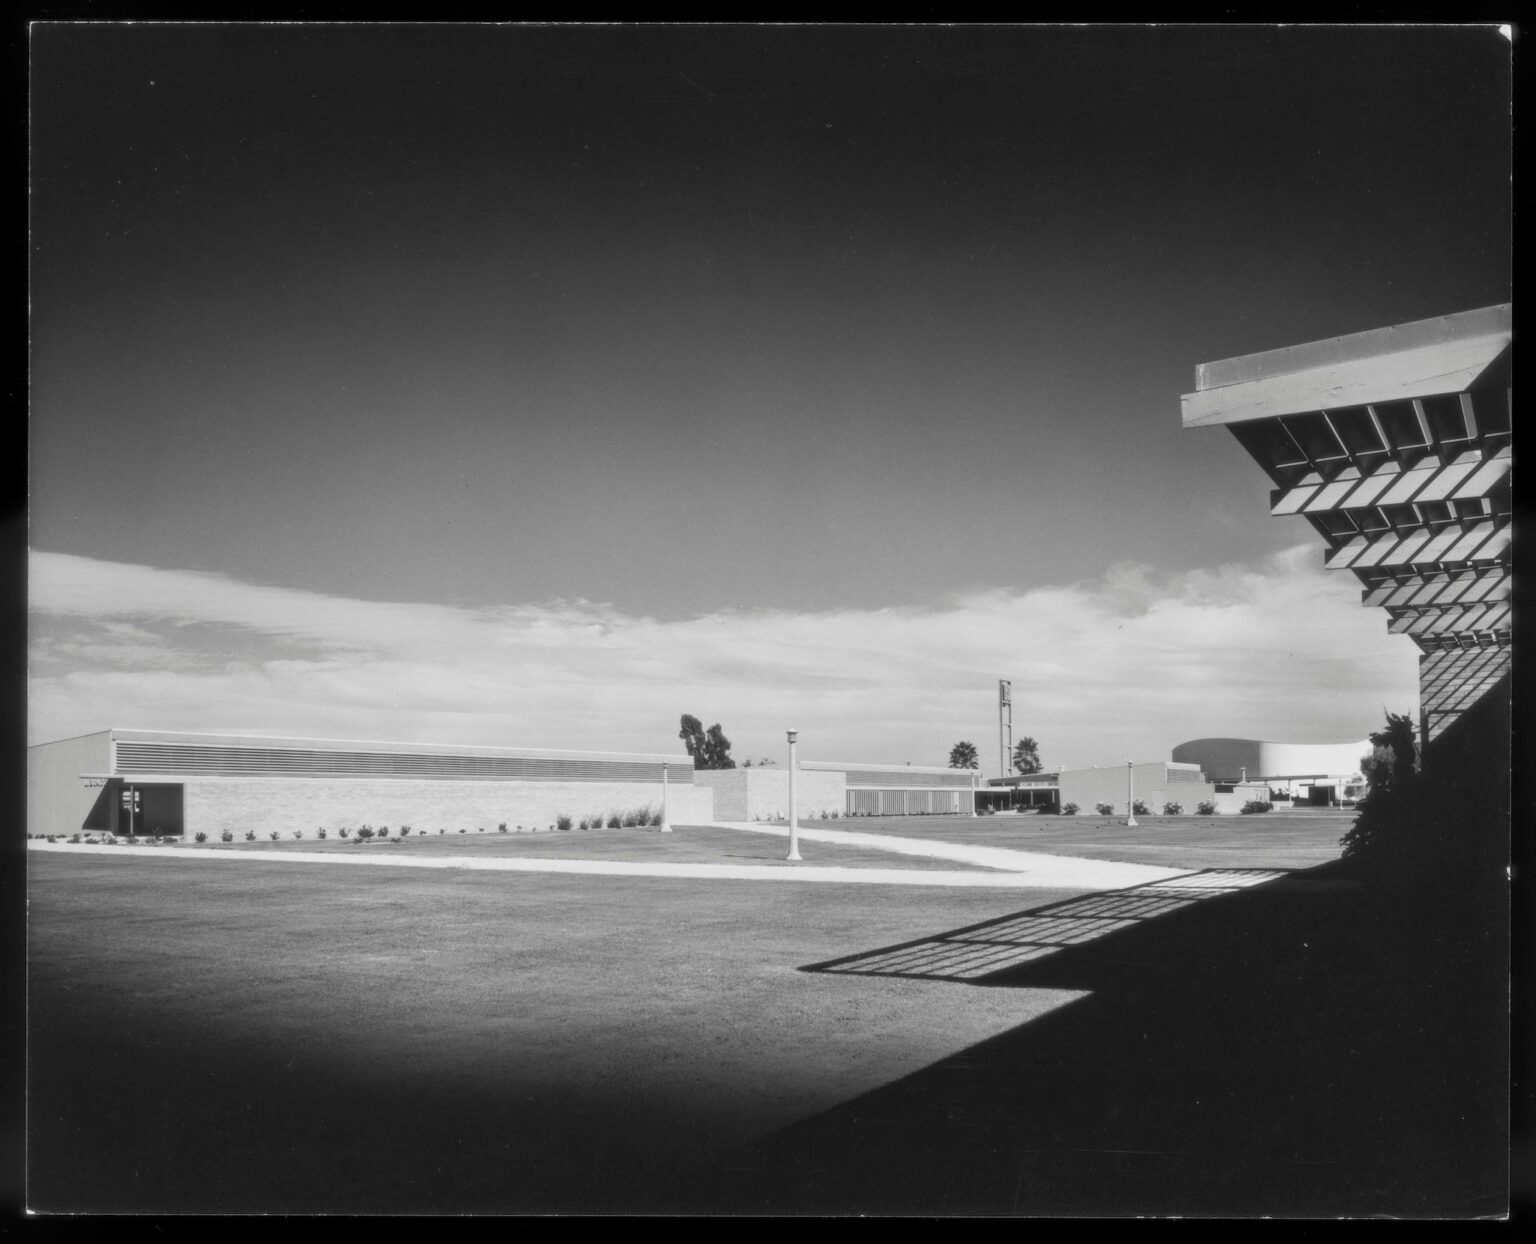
{"x":1004,"y":725}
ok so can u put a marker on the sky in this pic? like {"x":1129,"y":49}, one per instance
{"x":537,"y":385}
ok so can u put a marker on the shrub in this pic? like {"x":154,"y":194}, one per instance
{"x":1257,"y":805}
{"x":583,"y":823}
{"x":250,"y":835}
{"x":274,"y":835}
{"x":480,"y":829}
{"x":1069,"y":809}
{"x":502,"y":828}
{"x":298,"y":833}
{"x":1173,"y":808}
{"x":615,"y":821}
{"x":227,"y":836}
{"x":133,"y":839}
{"x":633,"y":818}
{"x":462,"y":830}
{"x":1139,"y":808}
{"x":200,"y":836}
{"x":75,"y":838}
{"x":405,"y":831}
{"x":364,"y":832}
{"x":1206,"y":807}
{"x":442,"y":831}
{"x":320,"y":833}
{"x":563,"y":822}
{"x":344,"y":831}
{"x":655,"y":818}
{"x":1105,"y":809}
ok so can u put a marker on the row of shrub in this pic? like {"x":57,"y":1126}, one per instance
{"x":1139,"y":808}
{"x":636,"y":817}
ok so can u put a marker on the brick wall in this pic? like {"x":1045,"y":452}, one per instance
{"x":287,"y":804}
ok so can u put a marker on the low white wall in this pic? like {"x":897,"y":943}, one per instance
{"x":286,"y":804}
{"x":763,"y":794}
{"x":1090,"y":787}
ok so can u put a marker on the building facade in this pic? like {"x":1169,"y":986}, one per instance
{"x":1395,"y":445}
{"x":825,"y":788}
{"x":1318,"y":774}
{"x":178,"y":785}
{"x":1153,"y":782}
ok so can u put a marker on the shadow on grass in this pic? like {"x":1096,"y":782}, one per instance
{"x":1250,"y":1044}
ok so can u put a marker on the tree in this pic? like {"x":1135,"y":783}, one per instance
{"x":1026,"y":756}
{"x":710,"y":748}
{"x":1390,"y":807}
{"x":963,"y":756}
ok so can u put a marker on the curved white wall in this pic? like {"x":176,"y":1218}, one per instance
{"x":1223,"y":760}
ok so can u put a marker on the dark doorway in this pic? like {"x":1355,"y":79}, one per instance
{"x":147,"y":809}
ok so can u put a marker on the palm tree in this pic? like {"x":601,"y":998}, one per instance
{"x":1026,"y":756}
{"x":963,"y":756}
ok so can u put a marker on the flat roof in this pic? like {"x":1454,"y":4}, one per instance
{"x":282,"y":742}
{"x":1446,"y":354}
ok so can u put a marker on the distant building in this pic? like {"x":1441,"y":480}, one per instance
{"x":174,"y":784}
{"x":1395,"y":445}
{"x":1323,"y":774}
{"x":824,"y":787}
{"x":1154,"y":782}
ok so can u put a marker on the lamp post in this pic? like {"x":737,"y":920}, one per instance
{"x":794,"y":828}
{"x":1130,"y":792}
{"x":666,"y":821}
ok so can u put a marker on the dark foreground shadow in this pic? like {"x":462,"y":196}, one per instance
{"x":1290,"y":1048}
{"x":1248,"y":1044}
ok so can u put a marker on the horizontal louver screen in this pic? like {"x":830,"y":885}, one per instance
{"x":231,"y":761}
{"x":864,"y":777}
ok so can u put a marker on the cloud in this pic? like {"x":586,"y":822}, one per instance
{"x":1126,"y":665}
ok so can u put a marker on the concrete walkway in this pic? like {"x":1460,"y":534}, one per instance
{"x":1076,"y":872}
{"x":1018,"y":869}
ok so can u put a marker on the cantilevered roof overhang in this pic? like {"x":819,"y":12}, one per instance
{"x":1449,"y":354}
{"x":1395,"y":445}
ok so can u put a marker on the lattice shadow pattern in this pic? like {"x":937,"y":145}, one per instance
{"x":983,"y":950}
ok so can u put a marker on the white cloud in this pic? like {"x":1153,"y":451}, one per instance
{"x":1127,"y":665}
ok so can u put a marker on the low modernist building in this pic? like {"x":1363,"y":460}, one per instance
{"x":825,"y":788}
{"x":1154,"y":782}
{"x":1395,"y":445}
{"x":1324,"y":774}
{"x":160,"y":782}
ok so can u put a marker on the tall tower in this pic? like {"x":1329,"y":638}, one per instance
{"x":1004,"y":725}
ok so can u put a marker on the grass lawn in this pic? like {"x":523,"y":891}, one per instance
{"x":1268,"y":840}
{"x":686,"y":844}
{"x":295,"y":1039}
{"x":231,"y":1038}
